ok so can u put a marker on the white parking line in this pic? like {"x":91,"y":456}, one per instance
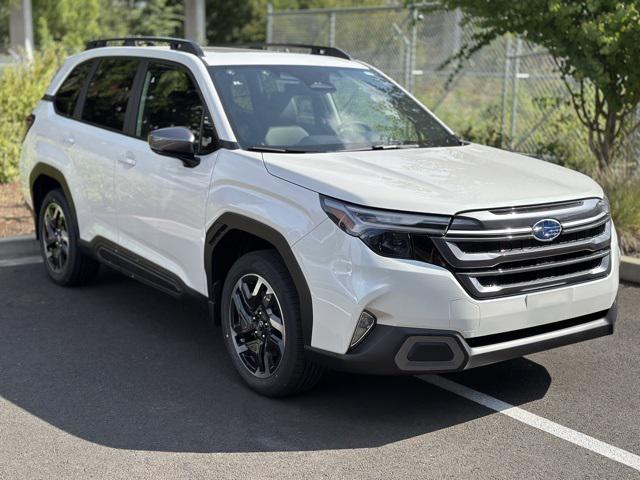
{"x":13,"y":262}
{"x":614,"y":453}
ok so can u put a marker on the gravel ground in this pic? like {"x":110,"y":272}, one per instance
{"x":15,"y":217}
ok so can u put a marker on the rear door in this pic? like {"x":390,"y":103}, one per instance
{"x":160,"y":202}
{"x":62,"y":129}
{"x":98,"y":141}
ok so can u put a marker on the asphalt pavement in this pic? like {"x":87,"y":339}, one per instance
{"x":117,"y":380}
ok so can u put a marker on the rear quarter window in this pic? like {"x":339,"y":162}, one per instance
{"x":69,"y":91}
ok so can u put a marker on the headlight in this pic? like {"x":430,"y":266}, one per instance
{"x":389,"y":233}
{"x":604,"y":205}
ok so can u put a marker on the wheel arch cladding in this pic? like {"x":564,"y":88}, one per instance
{"x":230,"y":226}
{"x":43,"y":179}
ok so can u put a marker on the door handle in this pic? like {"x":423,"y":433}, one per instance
{"x":128,"y":159}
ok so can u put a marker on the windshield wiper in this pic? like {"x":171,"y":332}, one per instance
{"x":391,"y":146}
{"x":259,"y":148}
{"x":394,"y":146}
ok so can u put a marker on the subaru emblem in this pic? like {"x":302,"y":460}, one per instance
{"x":547,"y":230}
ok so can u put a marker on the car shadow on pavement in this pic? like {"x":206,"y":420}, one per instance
{"x":121,"y":365}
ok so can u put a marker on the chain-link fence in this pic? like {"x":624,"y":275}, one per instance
{"x":508,"y":94}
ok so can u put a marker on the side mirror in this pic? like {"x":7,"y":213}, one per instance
{"x":178,"y":142}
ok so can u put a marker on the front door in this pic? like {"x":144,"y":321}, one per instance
{"x":160,"y":202}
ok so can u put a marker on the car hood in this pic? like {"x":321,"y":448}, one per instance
{"x":435,"y":180}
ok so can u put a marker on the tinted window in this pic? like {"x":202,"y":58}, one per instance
{"x":109,"y":91}
{"x":169,"y":99}
{"x":69,"y":91}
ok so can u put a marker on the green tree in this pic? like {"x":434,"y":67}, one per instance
{"x":74,"y":22}
{"x":69,"y":22}
{"x":596,"y":46}
{"x":4,"y":24}
{"x":158,"y":17}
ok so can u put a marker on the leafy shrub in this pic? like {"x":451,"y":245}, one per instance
{"x":21,"y":86}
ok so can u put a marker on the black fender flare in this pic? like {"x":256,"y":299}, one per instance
{"x":43,"y":169}
{"x":229,"y":222}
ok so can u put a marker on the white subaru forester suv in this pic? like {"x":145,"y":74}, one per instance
{"x":325,"y":215}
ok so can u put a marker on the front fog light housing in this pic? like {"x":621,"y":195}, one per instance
{"x":366,"y":322}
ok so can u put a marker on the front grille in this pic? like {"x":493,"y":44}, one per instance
{"x":493,"y":253}
{"x":515,"y":244}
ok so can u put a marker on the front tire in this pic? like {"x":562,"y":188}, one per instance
{"x":261,"y":326}
{"x":60,"y":243}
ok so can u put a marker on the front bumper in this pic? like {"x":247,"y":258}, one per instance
{"x":399,"y":350}
{"x":345,"y":277}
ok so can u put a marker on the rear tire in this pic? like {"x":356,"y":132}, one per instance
{"x":60,"y":243}
{"x":260,"y":313}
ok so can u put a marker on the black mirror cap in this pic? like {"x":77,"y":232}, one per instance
{"x":178,"y":142}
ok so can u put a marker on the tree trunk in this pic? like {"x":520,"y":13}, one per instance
{"x":603,"y":142}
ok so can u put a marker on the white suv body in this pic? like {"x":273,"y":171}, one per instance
{"x":480,"y":281}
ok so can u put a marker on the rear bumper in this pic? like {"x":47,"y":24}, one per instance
{"x":399,"y":350}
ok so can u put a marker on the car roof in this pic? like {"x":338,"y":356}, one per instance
{"x":168,"y":48}
{"x":238,"y":56}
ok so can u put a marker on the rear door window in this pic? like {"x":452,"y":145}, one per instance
{"x":109,"y":91}
{"x":69,"y":91}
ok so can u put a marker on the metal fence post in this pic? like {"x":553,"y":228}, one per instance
{"x":514,"y":100}
{"x":457,"y":32}
{"x":332,"y":29}
{"x":415,"y":16}
{"x":507,"y":68}
{"x":406,"y":61}
{"x":269,"y":22}
{"x":636,"y":146}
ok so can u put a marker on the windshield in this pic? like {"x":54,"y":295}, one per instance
{"x":320,"y":109}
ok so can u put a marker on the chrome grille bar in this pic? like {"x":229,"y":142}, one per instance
{"x":539,"y":284}
{"x":537,"y":266}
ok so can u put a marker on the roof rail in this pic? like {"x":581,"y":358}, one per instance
{"x":181,"y":44}
{"x":314,"y":49}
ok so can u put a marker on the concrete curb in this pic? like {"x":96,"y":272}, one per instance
{"x":18,"y":247}
{"x":630,"y":269}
